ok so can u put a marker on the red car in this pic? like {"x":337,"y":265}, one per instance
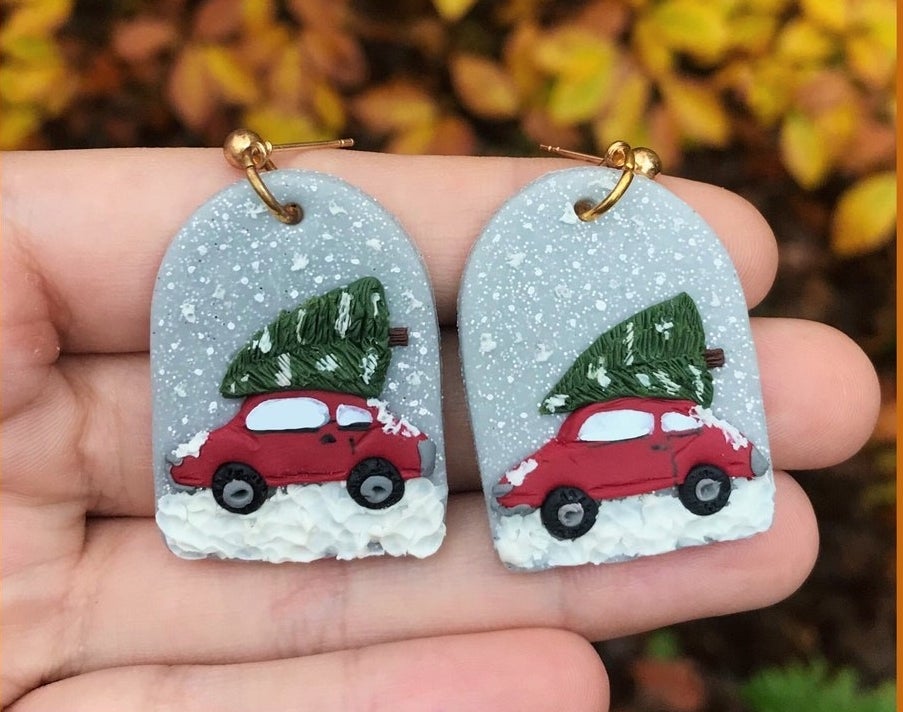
{"x":304,"y":437}
{"x":624,"y":447}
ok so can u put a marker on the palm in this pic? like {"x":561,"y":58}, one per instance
{"x":97,"y":612}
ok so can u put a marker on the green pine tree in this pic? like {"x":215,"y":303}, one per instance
{"x":657,"y":353}
{"x":338,"y":341}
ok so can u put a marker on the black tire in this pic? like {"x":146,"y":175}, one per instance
{"x":375,"y":483}
{"x":568,"y":512}
{"x":239,"y":488}
{"x":705,"y":490}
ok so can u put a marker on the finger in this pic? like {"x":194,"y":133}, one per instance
{"x":505,"y":670}
{"x":223,"y":612}
{"x":820,"y":391}
{"x":100,"y":250}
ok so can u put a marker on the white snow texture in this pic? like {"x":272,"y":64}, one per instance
{"x":304,"y":523}
{"x":636,"y":526}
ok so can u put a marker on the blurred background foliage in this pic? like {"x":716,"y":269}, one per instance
{"x":789,"y":102}
{"x":810,"y":80}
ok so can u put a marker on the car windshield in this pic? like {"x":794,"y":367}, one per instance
{"x":614,"y":425}
{"x":288,"y":414}
{"x":352,"y":416}
{"x":679,"y":423}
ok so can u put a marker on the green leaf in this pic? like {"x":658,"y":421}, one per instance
{"x":338,"y":341}
{"x":657,"y":353}
{"x":812,"y":688}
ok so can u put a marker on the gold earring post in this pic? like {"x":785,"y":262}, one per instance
{"x":631,"y":161}
{"x":246,"y":150}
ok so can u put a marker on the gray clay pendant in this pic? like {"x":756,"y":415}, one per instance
{"x":611,"y":378}
{"x":297,"y":410}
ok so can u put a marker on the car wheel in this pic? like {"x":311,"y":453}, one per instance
{"x":568,"y":513}
{"x":705,"y":490}
{"x":239,"y":488}
{"x":375,"y":483}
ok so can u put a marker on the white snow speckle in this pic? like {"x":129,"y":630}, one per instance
{"x":265,"y":343}
{"x":343,"y":320}
{"x":517,"y":475}
{"x":304,"y":523}
{"x":391,"y":424}
{"x":374,"y":244}
{"x":212,"y":407}
{"x":516,"y":260}
{"x":284,"y":374}
{"x":644,"y":379}
{"x":193,"y":447}
{"x":555,"y":401}
{"x":732,"y":435}
{"x":569,"y":216}
{"x":664,"y":328}
{"x":413,"y":302}
{"x":600,"y":305}
{"x":487,"y":344}
{"x":562,"y":291}
{"x":336,"y":209}
{"x":219,"y":292}
{"x":258,"y":297}
{"x":202,"y":250}
{"x":543,"y":353}
{"x":327,"y":363}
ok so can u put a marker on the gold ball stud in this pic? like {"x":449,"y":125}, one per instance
{"x":239,"y":147}
{"x":647,"y":162}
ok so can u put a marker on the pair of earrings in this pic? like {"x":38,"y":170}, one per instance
{"x":607,"y":359}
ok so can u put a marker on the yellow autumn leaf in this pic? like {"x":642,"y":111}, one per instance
{"x":655,"y":56}
{"x":257,"y":14}
{"x":697,"y":110}
{"x":833,"y":15}
{"x":698,"y":28}
{"x":290,"y":78}
{"x":188,"y":88}
{"x":752,"y":33}
{"x":29,"y":50}
{"x":18,"y":124}
{"x":872,"y":63}
{"x":518,"y":56}
{"x":624,"y":119}
{"x":483,"y":87}
{"x":572,"y":51}
{"x":328,"y":106}
{"x":36,"y":19}
{"x":393,"y":106}
{"x":803,"y":42}
{"x":29,"y":84}
{"x":234,"y":82}
{"x":836,"y":125}
{"x":767,"y":7}
{"x":865,"y":215}
{"x":412,"y":140}
{"x":804,"y":150}
{"x":284,"y":127}
{"x":452,"y":10}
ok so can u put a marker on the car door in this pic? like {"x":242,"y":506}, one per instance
{"x":622,"y":453}
{"x":294,"y":438}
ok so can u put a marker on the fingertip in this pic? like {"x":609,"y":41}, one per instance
{"x":820,"y":390}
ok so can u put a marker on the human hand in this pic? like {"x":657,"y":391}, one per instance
{"x":98,"y":614}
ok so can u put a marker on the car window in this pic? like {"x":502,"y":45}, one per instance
{"x":288,"y":414}
{"x":353,"y":417}
{"x":614,"y":425}
{"x":679,"y":423}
